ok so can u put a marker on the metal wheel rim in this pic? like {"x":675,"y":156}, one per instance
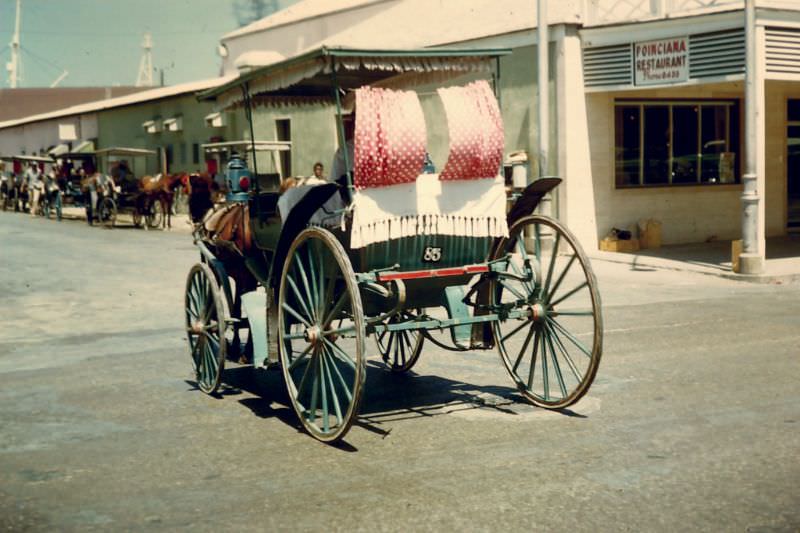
{"x":547,"y":353}
{"x":206,"y":324}
{"x":324,"y":382}
{"x":400,"y":350}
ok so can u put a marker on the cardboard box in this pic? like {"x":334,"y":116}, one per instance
{"x":610,"y":245}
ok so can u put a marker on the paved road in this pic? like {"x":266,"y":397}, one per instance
{"x":693,"y":422}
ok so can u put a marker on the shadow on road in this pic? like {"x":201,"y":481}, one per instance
{"x":388,"y":398}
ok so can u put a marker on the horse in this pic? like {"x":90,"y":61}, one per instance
{"x":161,"y":188}
{"x":203,"y":192}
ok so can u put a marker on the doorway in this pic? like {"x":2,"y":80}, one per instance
{"x":793,"y":166}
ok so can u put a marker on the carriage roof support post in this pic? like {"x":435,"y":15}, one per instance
{"x":248,"y":111}
{"x":340,"y":124}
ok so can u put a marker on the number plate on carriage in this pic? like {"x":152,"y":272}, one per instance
{"x":433,"y":254}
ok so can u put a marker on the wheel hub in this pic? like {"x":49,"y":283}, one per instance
{"x":313,"y":335}
{"x":197,"y":327}
{"x":537,"y":312}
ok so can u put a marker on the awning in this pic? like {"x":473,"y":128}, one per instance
{"x":312,"y":74}
{"x":215,"y":120}
{"x":84,"y":147}
{"x":125,"y":152}
{"x":58,"y":150}
{"x":247,"y":146}
{"x":173,"y":124}
{"x":152,"y":126}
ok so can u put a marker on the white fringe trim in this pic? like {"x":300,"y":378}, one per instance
{"x":427,"y":224}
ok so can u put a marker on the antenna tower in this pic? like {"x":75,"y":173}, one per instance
{"x":145,"y":77}
{"x":13,"y":66}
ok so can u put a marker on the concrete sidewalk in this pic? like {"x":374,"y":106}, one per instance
{"x":714,"y":258}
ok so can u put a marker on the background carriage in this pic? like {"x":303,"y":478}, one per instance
{"x":14,"y":192}
{"x":124,"y":193}
{"x":390,"y":252}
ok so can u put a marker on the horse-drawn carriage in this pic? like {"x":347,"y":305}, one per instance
{"x":389,"y":251}
{"x":14,"y":193}
{"x":120,"y":191}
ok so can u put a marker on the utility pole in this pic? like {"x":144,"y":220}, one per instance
{"x":13,"y":65}
{"x":145,"y":77}
{"x":751,"y":260}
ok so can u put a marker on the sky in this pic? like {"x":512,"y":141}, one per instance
{"x":99,"y":42}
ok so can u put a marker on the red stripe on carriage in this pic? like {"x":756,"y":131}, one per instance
{"x":437,"y":273}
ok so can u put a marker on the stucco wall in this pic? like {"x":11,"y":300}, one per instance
{"x":688,"y":213}
{"x":122,"y":127}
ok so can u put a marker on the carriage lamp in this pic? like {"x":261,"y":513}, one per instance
{"x":244,"y":183}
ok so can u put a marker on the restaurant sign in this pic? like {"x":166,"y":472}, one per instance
{"x":662,"y":61}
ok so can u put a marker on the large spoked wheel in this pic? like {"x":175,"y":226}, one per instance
{"x":553,"y":351}
{"x":400,"y":349}
{"x":206,"y":324}
{"x":107,"y":213}
{"x":322,"y":331}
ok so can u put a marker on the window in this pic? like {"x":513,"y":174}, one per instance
{"x":283,"y":130}
{"x":676,"y":143}
{"x":195,"y":153}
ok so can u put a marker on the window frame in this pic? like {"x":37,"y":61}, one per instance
{"x":642,"y":103}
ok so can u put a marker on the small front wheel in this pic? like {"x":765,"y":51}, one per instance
{"x":322,"y":329}
{"x":206,"y":325}
{"x":552,"y":347}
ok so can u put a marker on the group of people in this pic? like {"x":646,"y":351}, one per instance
{"x":32,"y":190}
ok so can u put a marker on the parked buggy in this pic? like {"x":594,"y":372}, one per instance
{"x":14,"y":192}
{"x":119,"y":190}
{"x":388,"y":251}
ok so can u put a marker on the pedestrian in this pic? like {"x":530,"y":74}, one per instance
{"x":319,"y":170}
{"x":35,"y":187}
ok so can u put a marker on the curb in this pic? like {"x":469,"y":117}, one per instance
{"x":682,"y":266}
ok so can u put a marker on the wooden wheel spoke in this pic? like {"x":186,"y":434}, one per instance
{"x":556,"y":366}
{"x":312,"y":409}
{"x":295,"y":314}
{"x":536,"y":340}
{"x":552,"y":264}
{"x":340,"y":354}
{"x":545,"y":372}
{"x":301,"y":357}
{"x":337,"y":307}
{"x":516,"y":330}
{"x":583,"y":285}
{"x":299,"y":388}
{"x":512,"y":290}
{"x":563,"y":274}
{"x":575,"y":313}
{"x":298,"y":263}
{"x":315,"y":295}
{"x":338,"y":373}
{"x":564,"y":353}
{"x":323,"y":382}
{"x":299,"y":297}
{"x":525,"y":346}
{"x":578,"y":344}
{"x":334,"y":396}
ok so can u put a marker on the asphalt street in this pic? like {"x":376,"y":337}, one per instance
{"x":693,"y":422}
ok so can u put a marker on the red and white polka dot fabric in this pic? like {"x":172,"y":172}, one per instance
{"x":476,"y":132}
{"x":390,"y":137}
